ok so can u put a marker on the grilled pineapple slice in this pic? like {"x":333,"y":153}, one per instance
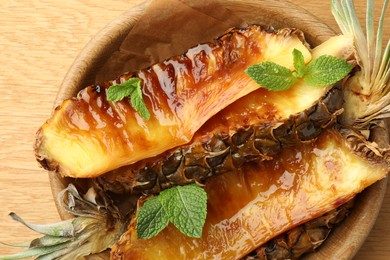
{"x":260,"y":202}
{"x":88,"y":135}
{"x":262,"y":122}
{"x":304,"y":182}
{"x":251,"y":129}
{"x":264,"y":200}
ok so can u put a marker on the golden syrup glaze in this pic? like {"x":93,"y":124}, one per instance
{"x":249,"y":110}
{"x":301,"y":105}
{"x":264,"y":200}
{"x":261,"y":108}
{"x":88,"y":135}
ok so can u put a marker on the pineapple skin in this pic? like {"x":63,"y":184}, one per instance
{"x":265,"y":200}
{"x":255,"y":131}
{"x":302,"y":239}
{"x":263,"y":122}
{"x":88,"y":135}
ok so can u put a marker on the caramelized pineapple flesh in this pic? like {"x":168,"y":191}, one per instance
{"x":264,"y":200}
{"x":249,"y":130}
{"x":88,"y":135}
{"x":303,"y":239}
{"x":269,"y":120}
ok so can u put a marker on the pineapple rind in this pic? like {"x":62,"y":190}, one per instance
{"x":266,"y":200}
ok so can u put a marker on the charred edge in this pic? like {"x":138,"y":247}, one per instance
{"x":42,"y":160}
{"x":222,"y":152}
{"x":304,"y":238}
{"x":363,"y":148}
{"x":229,"y":33}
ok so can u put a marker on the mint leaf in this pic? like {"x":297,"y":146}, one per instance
{"x":131,"y":88}
{"x":326,"y":70}
{"x":186,"y":207}
{"x":271,"y":76}
{"x":151,"y":218}
{"x":120,"y":91}
{"x":299,"y":63}
{"x":138,"y":103}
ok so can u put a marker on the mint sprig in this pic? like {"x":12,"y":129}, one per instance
{"x":131,"y":88}
{"x":299,"y":64}
{"x":326,"y":70}
{"x":183,"y":206}
{"x":151,"y":218}
{"x":321,"y":72}
{"x":271,"y":76}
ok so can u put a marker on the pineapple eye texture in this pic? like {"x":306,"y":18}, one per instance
{"x":279,"y":168}
{"x":266,"y":199}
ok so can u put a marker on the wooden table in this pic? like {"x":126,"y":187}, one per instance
{"x":39,"y":39}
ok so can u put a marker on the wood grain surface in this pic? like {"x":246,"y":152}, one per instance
{"x":39,"y":39}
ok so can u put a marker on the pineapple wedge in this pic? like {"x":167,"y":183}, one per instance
{"x":263,"y":121}
{"x":264,"y":200}
{"x":303,"y":239}
{"x":88,"y":135}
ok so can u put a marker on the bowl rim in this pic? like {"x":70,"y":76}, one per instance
{"x":96,"y":52}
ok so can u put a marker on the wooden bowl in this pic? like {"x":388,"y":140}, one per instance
{"x":347,"y":238}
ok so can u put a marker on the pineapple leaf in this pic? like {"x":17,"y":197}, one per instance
{"x":373,"y":79}
{"x":35,"y":252}
{"x":63,"y":229}
{"x":24,"y":244}
{"x":96,"y":228}
{"x":49,"y":241}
